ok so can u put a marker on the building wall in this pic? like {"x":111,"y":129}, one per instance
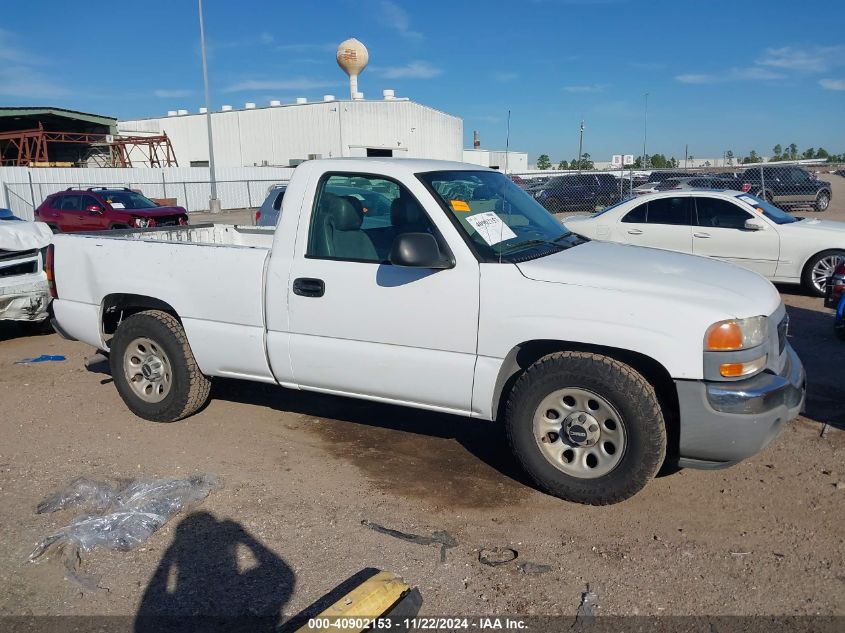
{"x":510,"y":161}
{"x":277,"y":135}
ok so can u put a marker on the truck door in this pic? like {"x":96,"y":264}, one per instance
{"x":361,"y":326}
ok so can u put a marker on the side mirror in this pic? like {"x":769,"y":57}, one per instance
{"x":754,"y":225}
{"x":418,"y":250}
{"x":93,"y":209}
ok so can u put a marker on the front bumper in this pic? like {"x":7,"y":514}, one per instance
{"x":722,"y":423}
{"x":26,"y":300}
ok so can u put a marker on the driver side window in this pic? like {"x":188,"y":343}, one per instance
{"x":716,"y":213}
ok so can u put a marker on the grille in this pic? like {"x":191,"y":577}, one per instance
{"x":783,"y":327}
{"x":169,"y":221}
{"x":23,"y":268}
{"x":5,"y":255}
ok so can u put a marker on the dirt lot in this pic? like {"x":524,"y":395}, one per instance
{"x":301,"y":472}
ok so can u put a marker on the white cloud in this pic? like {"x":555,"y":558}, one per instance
{"x":412,"y":70}
{"x":751,"y":73}
{"x":163,"y":93}
{"x":832,"y":84}
{"x":300,"y":83}
{"x":586,"y":88}
{"x":396,"y":17}
{"x":505,"y":76}
{"x":814,"y":60}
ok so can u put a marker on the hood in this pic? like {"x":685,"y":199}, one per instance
{"x":24,"y":236}
{"x":812,"y":224}
{"x":735,"y":291}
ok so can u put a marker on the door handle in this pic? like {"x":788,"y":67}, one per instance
{"x":701,"y":235}
{"x":307,"y":287}
{"x":635,"y":232}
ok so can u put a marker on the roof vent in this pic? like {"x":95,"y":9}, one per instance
{"x":203,"y":110}
{"x":226,"y":108}
{"x":275,"y":103}
{"x":301,"y":100}
{"x":172,"y":113}
{"x":328,"y":97}
{"x":249,"y":105}
{"x":182,"y":112}
{"x":389,"y":95}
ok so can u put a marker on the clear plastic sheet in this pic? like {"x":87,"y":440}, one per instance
{"x":126,"y":515}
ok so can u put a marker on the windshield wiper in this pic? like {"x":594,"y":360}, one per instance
{"x":528,"y":243}
{"x":562,"y":236}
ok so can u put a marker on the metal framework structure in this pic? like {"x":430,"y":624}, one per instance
{"x":23,"y":148}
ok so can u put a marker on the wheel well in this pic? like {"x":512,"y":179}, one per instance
{"x":804,"y":266}
{"x":119,"y":306}
{"x":525,"y":354}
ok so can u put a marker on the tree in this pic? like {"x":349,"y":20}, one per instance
{"x":777,"y":150}
{"x":543,"y":162}
{"x":793,"y":151}
{"x":563,"y":165}
{"x":822,"y":153}
{"x":809,"y":153}
{"x":584,"y":163}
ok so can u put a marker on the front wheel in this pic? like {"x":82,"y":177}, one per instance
{"x":586,"y":428}
{"x":822,"y":201}
{"x":154,"y":369}
{"x":819,"y":269}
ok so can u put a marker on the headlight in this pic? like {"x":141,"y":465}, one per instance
{"x":736,"y":334}
{"x":142,"y":223}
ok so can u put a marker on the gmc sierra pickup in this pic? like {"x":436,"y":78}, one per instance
{"x":446,"y":287}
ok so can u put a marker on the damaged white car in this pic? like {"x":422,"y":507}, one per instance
{"x":24,"y":293}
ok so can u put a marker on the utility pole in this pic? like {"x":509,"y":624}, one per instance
{"x":645,"y":131}
{"x":686,"y":154}
{"x":213,"y":203}
{"x":580,"y":145}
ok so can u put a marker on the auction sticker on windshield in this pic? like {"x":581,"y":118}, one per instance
{"x":490,"y":227}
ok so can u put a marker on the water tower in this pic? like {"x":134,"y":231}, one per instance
{"x":352,"y":57}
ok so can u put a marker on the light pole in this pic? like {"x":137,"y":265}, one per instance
{"x":645,"y":131}
{"x":580,"y":145}
{"x":213,"y":203}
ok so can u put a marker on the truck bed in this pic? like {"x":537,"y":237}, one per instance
{"x":204,"y":234}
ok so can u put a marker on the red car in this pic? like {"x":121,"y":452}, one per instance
{"x":102,"y":209}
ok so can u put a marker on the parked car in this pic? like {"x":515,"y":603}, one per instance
{"x":656,"y":178}
{"x":592,"y":354}
{"x":6,"y":215}
{"x":698,"y":182}
{"x":577,"y":192}
{"x":268,"y":213}
{"x":24,"y":295}
{"x":840,"y":172}
{"x":104,"y":208}
{"x":733,"y":226}
{"x":835,"y":299}
{"x":788,"y":186}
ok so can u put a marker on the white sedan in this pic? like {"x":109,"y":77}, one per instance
{"x":729,"y":225}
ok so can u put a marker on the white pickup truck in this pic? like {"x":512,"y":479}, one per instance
{"x":444,"y":286}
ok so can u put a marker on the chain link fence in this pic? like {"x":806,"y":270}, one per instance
{"x":818,"y":188}
{"x":23,"y":197}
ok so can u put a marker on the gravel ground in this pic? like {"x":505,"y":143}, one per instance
{"x":302,"y":471}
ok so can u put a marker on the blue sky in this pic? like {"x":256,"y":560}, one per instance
{"x":721,"y":75}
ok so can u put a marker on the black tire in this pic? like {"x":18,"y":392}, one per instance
{"x":620,"y":385}
{"x":822,"y":201}
{"x":807,"y":273}
{"x":189,"y":390}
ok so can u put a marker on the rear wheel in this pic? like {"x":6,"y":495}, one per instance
{"x":822,"y":201}
{"x":819,"y":269}
{"x":586,"y":428}
{"x":154,"y":369}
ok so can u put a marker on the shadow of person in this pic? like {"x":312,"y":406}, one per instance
{"x":215,"y":576}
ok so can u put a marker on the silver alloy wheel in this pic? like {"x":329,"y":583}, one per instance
{"x":579,"y":433}
{"x":823,"y":270}
{"x":822,"y":202}
{"x":147,"y":369}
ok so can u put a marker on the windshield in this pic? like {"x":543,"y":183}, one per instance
{"x":778,"y":216}
{"x":127,"y":200}
{"x":499,"y":218}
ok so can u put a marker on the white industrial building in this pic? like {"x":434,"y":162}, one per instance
{"x":286,"y":134}
{"x":507,"y":162}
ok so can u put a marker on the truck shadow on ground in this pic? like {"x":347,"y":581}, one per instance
{"x":215,"y":576}
{"x":823,"y":354}
{"x":452,"y":459}
{"x":21,"y":329}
